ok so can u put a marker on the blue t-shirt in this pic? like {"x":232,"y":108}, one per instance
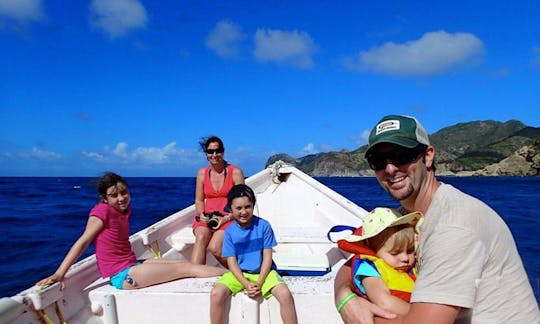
{"x":364,"y":268}
{"x":247,"y":243}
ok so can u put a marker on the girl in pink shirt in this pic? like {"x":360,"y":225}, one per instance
{"x":108,"y":227}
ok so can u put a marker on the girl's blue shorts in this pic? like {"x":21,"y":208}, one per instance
{"x":118,"y":279}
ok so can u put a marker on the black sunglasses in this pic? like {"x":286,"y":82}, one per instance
{"x":212,"y":151}
{"x":398,"y":157}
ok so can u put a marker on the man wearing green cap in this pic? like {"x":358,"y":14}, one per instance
{"x":469,"y":269}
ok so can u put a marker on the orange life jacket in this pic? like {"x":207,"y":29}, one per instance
{"x":399,"y":283}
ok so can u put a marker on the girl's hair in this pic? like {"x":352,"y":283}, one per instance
{"x":205,"y":142}
{"x":107,"y":180}
{"x":404,"y":235}
{"x":240,"y":190}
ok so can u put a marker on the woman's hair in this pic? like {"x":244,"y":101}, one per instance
{"x":404,"y":235}
{"x":107,"y":180}
{"x":240,"y":190}
{"x":205,"y":142}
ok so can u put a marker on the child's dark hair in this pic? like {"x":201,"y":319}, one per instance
{"x":107,"y":180}
{"x":205,"y":142}
{"x":240,"y":190}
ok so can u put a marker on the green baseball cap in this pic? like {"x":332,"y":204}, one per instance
{"x":402,"y":130}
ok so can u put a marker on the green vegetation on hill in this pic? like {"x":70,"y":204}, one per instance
{"x":464,"y":147}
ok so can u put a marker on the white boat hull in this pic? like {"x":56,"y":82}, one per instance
{"x":300,"y":209}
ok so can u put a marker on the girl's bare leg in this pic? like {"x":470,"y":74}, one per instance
{"x":153,"y":272}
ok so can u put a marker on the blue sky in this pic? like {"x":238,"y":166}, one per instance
{"x":132,"y":85}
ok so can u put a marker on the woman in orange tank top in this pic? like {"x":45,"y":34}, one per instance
{"x":213,"y":185}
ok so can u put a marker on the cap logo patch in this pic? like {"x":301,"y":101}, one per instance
{"x":387,"y":125}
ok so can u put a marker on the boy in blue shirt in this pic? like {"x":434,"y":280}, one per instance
{"x":247,"y":247}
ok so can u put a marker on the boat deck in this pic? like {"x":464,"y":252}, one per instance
{"x":187,"y":301}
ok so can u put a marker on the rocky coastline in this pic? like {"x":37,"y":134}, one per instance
{"x":479,"y":148}
{"x":524,"y":162}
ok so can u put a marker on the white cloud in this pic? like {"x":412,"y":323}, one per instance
{"x":166,"y":160}
{"x":224,"y":39}
{"x":121,"y":150}
{"x":117,"y":17}
{"x":156,"y":155}
{"x":42,"y":155}
{"x":93,"y":156}
{"x":309,"y":149}
{"x":291,"y":47}
{"x":434,"y":53}
{"x":6,"y":155}
{"x":22,"y":11}
{"x":141,"y":155}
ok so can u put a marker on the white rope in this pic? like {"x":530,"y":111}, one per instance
{"x":274,"y":170}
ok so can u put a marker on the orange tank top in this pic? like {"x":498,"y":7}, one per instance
{"x":216,"y":200}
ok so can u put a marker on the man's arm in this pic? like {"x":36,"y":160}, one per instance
{"x":357,"y":309}
{"x":426,"y":313}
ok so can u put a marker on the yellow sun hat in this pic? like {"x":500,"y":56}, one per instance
{"x":380,"y":219}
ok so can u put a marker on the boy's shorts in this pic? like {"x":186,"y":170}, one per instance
{"x":273,"y":279}
{"x":118,"y":279}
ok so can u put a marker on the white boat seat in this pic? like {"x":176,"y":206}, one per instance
{"x":150,"y":239}
{"x":299,"y":264}
{"x":182,"y":238}
{"x":290,"y":256}
{"x":283,"y":235}
{"x":297,"y":253}
{"x":301,"y":235}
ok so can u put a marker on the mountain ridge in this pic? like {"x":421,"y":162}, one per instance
{"x":476,"y":148}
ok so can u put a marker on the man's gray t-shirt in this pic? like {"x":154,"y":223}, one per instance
{"x":467,"y":257}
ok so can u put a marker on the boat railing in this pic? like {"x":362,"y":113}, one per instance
{"x":159,"y":238}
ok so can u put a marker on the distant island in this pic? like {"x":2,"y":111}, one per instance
{"x":477,"y":148}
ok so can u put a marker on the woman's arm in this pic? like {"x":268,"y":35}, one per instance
{"x":238,"y":176}
{"x":199,"y":194}
{"x":93,"y":227}
{"x":379,"y":294}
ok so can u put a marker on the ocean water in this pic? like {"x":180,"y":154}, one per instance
{"x":41,"y":217}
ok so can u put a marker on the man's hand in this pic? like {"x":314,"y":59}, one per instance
{"x":360,"y":311}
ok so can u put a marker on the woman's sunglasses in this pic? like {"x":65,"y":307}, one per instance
{"x":212,"y":151}
{"x":398,"y":157}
